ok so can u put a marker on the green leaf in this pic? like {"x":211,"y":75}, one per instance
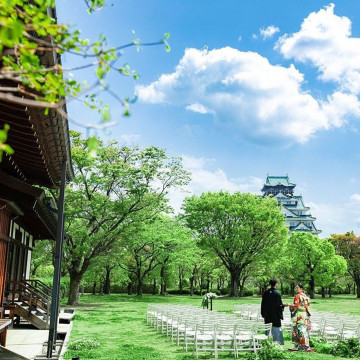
{"x":92,"y":145}
{"x":167,"y":46}
{"x":106,"y":113}
{"x":100,"y":72}
{"x":167,"y":35}
{"x":8,"y":149}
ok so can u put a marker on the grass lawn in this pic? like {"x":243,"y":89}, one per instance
{"x":117,"y":324}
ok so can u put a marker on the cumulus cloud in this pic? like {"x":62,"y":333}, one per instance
{"x":199,"y":108}
{"x":269,"y":32}
{"x":206,"y":177}
{"x":325,"y":41}
{"x":355,"y":197}
{"x":243,"y":90}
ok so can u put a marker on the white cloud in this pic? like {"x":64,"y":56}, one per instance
{"x":130,"y":138}
{"x":242,"y":89}
{"x":325,"y":41}
{"x":205,"y":178}
{"x":199,"y":108}
{"x":355,"y":197}
{"x":269,"y":31}
{"x":254,"y":36}
{"x":239,"y":38}
{"x":191,"y":163}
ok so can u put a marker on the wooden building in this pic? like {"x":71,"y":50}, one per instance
{"x":41,"y":158}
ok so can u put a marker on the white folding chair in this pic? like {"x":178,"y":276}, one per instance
{"x":225,"y":337}
{"x":244,"y":337}
{"x":205,"y":339}
{"x":262,"y":332}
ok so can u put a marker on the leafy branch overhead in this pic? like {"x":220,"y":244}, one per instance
{"x":31,"y":73}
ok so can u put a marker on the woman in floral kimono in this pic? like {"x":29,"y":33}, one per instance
{"x":300,"y":317}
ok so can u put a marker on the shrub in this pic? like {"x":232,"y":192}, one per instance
{"x":271,"y":351}
{"x":320,"y":345}
{"x":177,"y":292}
{"x":225,"y":291}
{"x":348,"y":348}
{"x":248,"y":292}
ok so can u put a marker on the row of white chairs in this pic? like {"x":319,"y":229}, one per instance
{"x":248,"y":311}
{"x":331,"y":326}
{"x":335,"y":329}
{"x":209,"y":331}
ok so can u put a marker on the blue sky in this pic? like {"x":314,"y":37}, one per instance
{"x":249,"y":88}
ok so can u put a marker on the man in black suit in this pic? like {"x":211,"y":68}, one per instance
{"x":272,"y":309}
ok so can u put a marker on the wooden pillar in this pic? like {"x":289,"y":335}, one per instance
{"x":4,"y":233}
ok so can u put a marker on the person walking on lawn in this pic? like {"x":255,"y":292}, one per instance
{"x":272,"y":309}
{"x":300,"y":316}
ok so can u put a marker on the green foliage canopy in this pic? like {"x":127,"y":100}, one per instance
{"x":115,"y":189}
{"x":348,"y":246}
{"x":238,"y":227}
{"x":313,"y":259}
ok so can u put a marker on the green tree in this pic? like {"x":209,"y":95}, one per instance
{"x":314,"y":260}
{"x":111,"y":191}
{"x":153,"y":244}
{"x":238,"y":227}
{"x":29,"y":28}
{"x":348,"y":246}
{"x":41,"y":257}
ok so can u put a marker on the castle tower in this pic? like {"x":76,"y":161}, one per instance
{"x":297,"y":216}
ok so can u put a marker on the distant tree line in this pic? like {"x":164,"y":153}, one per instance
{"x":121,"y":235}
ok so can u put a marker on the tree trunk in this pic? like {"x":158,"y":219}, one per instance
{"x":234,"y":291}
{"x":162,"y":279}
{"x":348,"y":289}
{"x":312,"y":287}
{"x":241,"y":286}
{"x":191,"y":280}
{"x":357,"y":283}
{"x":129,"y":288}
{"x":94,"y":288}
{"x":154,"y":287}
{"x":208,"y":286}
{"x":292,"y":289}
{"x":329,"y":292}
{"x":139,"y":288}
{"x":201,"y":284}
{"x":323,"y":292}
{"x":73,"y":298}
{"x":106,"y":289}
{"x":180,"y":280}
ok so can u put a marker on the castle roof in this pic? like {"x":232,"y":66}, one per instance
{"x":278,"y":180}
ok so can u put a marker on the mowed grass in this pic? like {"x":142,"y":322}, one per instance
{"x":115,"y":324}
